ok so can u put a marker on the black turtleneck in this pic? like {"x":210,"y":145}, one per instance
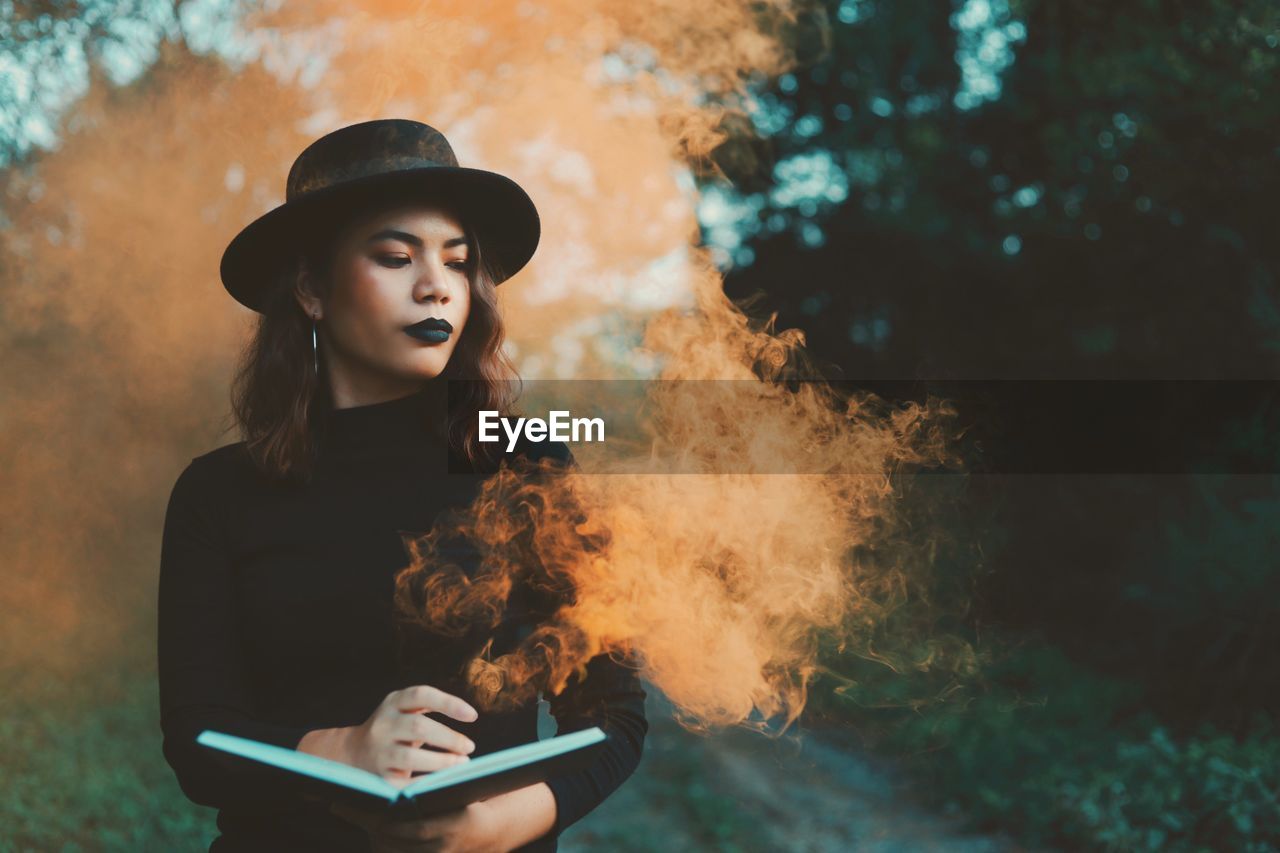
{"x":275,"y":618}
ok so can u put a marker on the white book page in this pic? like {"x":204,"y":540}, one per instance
{"x":301,"y":762}
{"x":503,"y":760}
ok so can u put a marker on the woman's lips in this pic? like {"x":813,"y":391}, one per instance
{"x":429,"y":335}
{"x":433,"y":330}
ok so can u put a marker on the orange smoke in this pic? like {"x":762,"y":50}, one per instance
{"x":721,"y":583}
{"x":118,"y":339}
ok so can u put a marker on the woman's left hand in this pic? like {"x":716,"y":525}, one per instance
{"x":472,"y":828}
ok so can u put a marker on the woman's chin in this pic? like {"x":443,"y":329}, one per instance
{"x":426,"y":368}
{"x":423,"y":375}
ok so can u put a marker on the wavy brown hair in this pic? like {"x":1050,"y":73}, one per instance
{"x":279,"y":402}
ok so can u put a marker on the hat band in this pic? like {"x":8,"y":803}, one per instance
{"x":352,"y":171}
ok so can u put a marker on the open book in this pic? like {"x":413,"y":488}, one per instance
{"x":438,"y":791}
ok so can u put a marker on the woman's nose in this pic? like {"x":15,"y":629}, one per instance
{"x":432,"y":284}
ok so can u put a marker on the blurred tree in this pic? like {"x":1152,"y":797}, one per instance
{"x":995,"y":189}
{"x":52,"y":51}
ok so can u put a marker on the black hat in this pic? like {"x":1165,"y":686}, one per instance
{"x":368,"y":160}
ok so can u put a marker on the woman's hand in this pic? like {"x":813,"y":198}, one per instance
{"x":388,"y":743}
{"x":473,"y":829}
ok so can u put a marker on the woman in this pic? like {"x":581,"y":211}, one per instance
{"x":375,"y":284}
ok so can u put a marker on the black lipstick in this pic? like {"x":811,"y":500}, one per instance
{"x":433,"y":330}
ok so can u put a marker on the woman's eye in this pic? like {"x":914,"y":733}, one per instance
{"x":394,"y":260}
{"x":459,"y":265}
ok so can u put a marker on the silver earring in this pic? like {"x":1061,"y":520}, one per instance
{"x":315,"y":349}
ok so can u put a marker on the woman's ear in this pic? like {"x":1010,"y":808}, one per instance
{"x":304,"y":292}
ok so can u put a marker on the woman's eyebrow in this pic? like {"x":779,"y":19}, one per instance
{"x":413,"y":239}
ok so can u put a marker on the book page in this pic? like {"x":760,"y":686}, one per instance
{"x":301,"y":762}
{"x":503,"y":759}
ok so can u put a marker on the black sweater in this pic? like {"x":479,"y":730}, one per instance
{"x":275,"y":618}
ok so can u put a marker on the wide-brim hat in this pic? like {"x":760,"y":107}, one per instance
{"x":395,"y":158}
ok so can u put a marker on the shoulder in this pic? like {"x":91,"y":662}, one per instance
{"x":234,"y":454}
{"x":227,"y":461}
{"x":212,"y":473}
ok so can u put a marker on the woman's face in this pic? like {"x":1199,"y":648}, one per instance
{"x":390,"y":271}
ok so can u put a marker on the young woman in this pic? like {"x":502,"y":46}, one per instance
{"x":375,"y":284}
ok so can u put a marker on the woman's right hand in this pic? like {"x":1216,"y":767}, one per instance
{"x":388,"y":743}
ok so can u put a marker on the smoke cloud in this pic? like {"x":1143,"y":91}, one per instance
{"x":119,"y":340}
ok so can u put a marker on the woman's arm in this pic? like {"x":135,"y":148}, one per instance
{"x":523,"y":815}
{"x":202,"y":681}
{"x":611,"y":697}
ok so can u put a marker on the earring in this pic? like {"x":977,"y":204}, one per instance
{"x":315,"y":349}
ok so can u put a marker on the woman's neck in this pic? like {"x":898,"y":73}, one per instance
{"x":420,"y":413}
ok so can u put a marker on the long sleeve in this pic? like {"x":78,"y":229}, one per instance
{"x":202,"y":682}
{"x":611,"y":697}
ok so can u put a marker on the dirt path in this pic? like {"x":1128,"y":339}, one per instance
{"x":740,"y":791}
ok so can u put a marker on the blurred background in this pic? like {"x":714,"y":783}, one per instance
{"x":969,"y":190}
